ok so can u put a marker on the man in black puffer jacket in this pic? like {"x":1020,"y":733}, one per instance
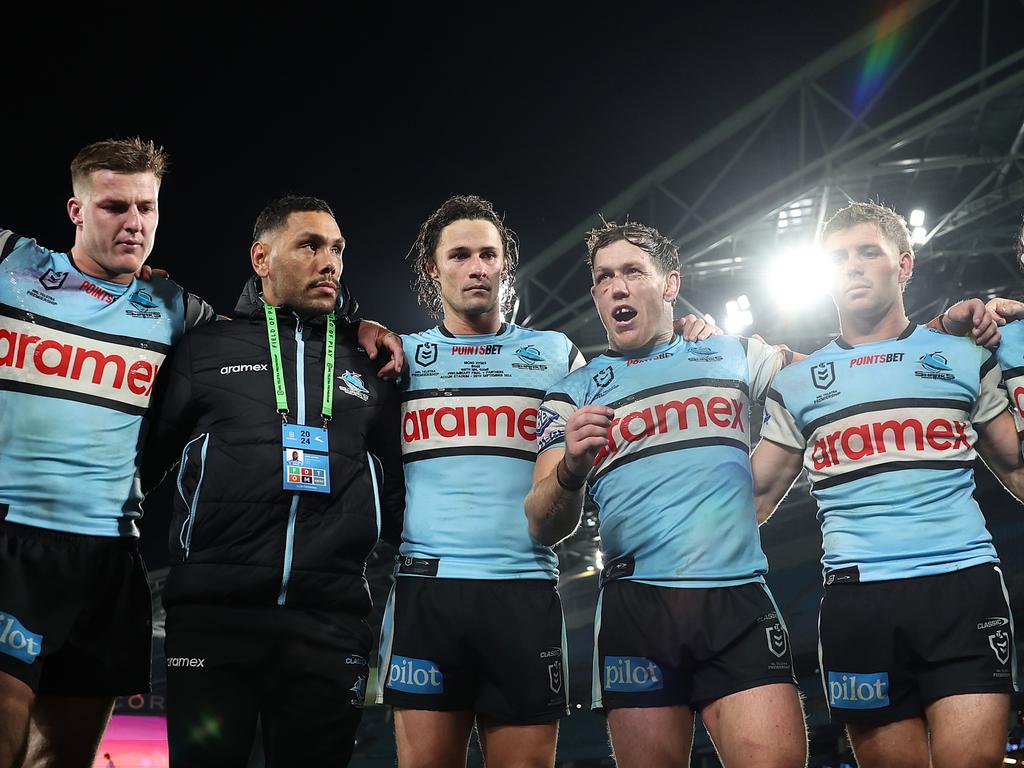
{"x":283,"y":489}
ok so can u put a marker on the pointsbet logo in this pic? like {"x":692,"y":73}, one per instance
{"x":858,"y":690}
{"x":632,"y":674}
{"x":415,"y":675}
{"x":17,"y":641}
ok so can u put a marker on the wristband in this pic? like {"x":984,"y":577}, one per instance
{"x":575,"y":483}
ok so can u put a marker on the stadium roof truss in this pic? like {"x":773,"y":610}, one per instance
{"x":923,"y":109}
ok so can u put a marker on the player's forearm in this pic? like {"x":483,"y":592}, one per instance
{"x":554,"y":506}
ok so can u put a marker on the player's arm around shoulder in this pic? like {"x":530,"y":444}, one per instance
{"x":778,"y":457}
{"x":998,"y":443}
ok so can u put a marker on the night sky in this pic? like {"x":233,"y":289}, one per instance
{"x":384,"y":113}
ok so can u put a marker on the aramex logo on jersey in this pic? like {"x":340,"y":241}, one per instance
{"x":34,"y":355}
{"x":891,"y":437}
{"x":673,"y":418}
{"x":461,"y":422}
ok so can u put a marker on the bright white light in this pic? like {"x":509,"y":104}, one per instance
{"x":917,"y":218}
{"x":709,"y":319}
{"x":919,"y":235}
{"x":799,"y":277}
{"x":590,"y":569}
{"x":599,"y":560}
{"x":737,"y":315}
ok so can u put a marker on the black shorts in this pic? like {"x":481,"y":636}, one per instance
{"x":299,"y":674}
{"x":889,"y":648}
{"x":496,"y":648}
{"x":665,"y":646}
{"x":75,"y":612}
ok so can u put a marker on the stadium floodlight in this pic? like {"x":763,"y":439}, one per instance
{"x":738,"y":315}
{"x":599,"y":560}
{"x":799,"y":277}
{"x":917,"y":218}
{"x":919,"y":236}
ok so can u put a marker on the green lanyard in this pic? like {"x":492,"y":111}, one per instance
{"x":274,"y":338}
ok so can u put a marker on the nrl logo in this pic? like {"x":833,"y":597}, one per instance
{"x":604,"y":378}
{"x":823,"y":375}
{"x":426,"y":354}
{"x":776,"y":640}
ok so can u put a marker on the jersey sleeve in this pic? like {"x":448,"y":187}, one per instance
{"x":780,"y":426}
{"x":991,"y":399}
{"x":763,"y":362}
{"x":576,"y":359}
{"x":554,"y":412}
{"x":197,"y":311}
{"x":7,"y":242}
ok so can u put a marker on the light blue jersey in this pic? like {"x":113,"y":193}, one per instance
{"x":673,"y":487}
{"x":469,"y":413}
{"x":78,"y":359}
{"x":887,"y":433}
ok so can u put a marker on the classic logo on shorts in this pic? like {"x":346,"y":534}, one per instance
{"x":999,"y":642}
{"x":858,"y":690}
{"x":415,"y":675}
{"x":632,"y":674}
{"x":17,"y":641}
{"x":776,"y":639}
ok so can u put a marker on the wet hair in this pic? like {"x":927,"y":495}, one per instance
{"x":275,"y":214}
{"x":662,"y":250}
{"x":121,"y":156}
{"x":423,"y":251}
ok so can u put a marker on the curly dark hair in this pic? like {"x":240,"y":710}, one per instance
{"x":453,"y":209}
{"x":662,"y":250}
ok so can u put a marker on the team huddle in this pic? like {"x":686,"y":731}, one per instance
{"x":297,"y":435}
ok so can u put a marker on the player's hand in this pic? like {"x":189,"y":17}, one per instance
{"x":586,"y":433}
{"x":375,"y":338}
{"x":972,"y":318}
{"x":778,"y":347}
{"x":146,"y":272}
{"x":1005,"y":310}
{"x":693,"y":328}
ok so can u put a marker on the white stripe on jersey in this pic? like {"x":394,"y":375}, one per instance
{"x":884,"y":436}
{"x":35,"y":355}
{"x":502,"y":423}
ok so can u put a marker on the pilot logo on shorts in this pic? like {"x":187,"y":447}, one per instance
{"x":999,"y":642}
{"x":17,"y":641}
{"x":426,"y":354}
{"x":858,"y":690}
{"x":776,"y":639}
{"x":632,"y":674}
{"x":823,"y":375}
{"x":415,"y":675}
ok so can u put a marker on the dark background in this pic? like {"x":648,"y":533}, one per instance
{"x":549,"y":110}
